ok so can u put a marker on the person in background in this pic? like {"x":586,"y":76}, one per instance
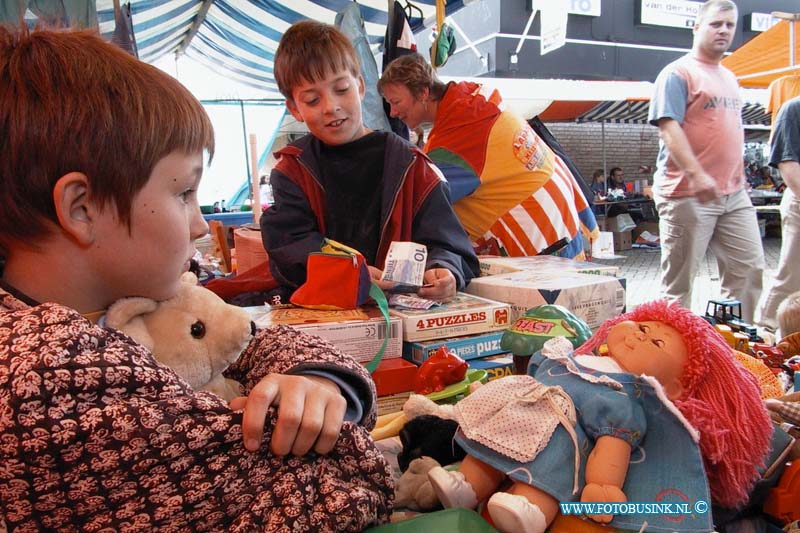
{"x":789,"y":315}
{"x":343,"y":181}
{"x":598,"y":188}
{"x":598,"y":185}
{"x":100,"y":203}
{"x":699,"y":185}
{"x":785,"y":155}
{"x":511,"y":192}
{"x":752,"y":174}
{"x":768,"y":181}
{"x":264,"y":192}
{"x":616,"y":179}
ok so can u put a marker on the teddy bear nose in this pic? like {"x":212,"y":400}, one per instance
{"x":252,"y":328}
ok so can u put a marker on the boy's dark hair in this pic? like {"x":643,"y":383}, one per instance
{"x":415,"y":73}
{"x":71,"y":102}
{"x":309,"y":51}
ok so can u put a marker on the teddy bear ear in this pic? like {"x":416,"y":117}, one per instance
{"x":189,"y":277}
{"x":126,"y":316}
{"x":123,"y":311}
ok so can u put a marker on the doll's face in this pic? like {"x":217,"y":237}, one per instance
{"x":651,"y":348}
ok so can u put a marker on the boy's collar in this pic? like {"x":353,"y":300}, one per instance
{"x":19,"y":295}
{"x":93,"y":316}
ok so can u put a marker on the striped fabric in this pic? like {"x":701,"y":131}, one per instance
{"x":239,"y":36}
{"x":629,"y":111}
{"x":513,"y":194}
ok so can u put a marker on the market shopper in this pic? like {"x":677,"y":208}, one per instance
{"x":616,"y":179}
{"x":699,"y":184}
{"x":785,"y":155}
{"x":102,"y":159}
{"x":511,"y":192}
{"x":343,"y":181}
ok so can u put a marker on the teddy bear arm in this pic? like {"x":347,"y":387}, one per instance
{"x":226,"y":388}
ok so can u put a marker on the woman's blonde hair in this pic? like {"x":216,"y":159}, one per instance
{"x":414,"y":72}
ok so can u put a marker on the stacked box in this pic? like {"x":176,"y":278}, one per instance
{"x":357,"y":332}
{"x":496,"y":366}
{"x":622,"y":240}
{"x":468,"y":347}
{"x":491,"y":265}
{"x":592,"y":298}
{"x":394,"y":376}
{"x":464,"y":315}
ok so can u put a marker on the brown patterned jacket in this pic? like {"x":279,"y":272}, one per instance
{"x":95,"y":435}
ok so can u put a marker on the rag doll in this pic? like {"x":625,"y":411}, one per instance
{"x":664,"y":414}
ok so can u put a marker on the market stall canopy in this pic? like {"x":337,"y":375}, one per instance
{"x":596,"y":101}
{"x":770,"y":55}
{"x":238,"y":36}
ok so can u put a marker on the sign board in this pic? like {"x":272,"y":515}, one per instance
{"x":589,"y":8}
{"x":759,"y":21}
{"x":671,"y":13}
{"x":554,"y":25}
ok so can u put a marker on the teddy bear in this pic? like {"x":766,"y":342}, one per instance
{"x":195,"y":333}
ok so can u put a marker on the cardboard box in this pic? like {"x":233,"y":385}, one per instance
{"x":394,"y":376}
{"x":592,"y":298}
{"x":393,"y":403}
{"x":469,"y":347}
{"x":496,"y":366}
{"x":464,"y":315}
{"x":622,"y":240}
{"x":491,"y":265}
{"x":357,"y":332}
{"x":622,"y":222}
{"x":641,"y":227}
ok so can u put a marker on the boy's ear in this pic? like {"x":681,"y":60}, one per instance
{"x":292,"y":107}
{"x":73,"y":206}
{"x":362,"y":88}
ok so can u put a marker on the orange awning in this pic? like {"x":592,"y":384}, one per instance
{"x":565,"y":110}
{"x":765,"y":53}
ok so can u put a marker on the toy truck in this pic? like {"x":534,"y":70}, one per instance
{"x":729,"y":312}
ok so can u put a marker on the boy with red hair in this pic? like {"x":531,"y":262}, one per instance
{"x":102,"y":158}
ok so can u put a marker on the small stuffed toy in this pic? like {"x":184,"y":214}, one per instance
{"x":194,"y":333}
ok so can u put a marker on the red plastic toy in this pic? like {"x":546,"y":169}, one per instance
{"x":440,"y":370}
{"x":772,"y":356}
{"x":783,"y":501}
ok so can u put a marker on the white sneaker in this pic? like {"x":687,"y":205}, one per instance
{"x":512,"y":513}
{"x":452,"y":488}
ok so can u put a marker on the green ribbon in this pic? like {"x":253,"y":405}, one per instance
{"x":376,"y":294}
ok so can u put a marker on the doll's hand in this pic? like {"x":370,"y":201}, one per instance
{"x":594,"y":492}
{"x":311,"y":410}
{"x":440,"y":284}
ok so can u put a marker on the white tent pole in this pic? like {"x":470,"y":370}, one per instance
{"x":603,"y":143}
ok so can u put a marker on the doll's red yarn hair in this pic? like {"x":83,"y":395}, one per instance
{"x":721,"y":400}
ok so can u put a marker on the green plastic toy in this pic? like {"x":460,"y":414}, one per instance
{"x":529,"y":332}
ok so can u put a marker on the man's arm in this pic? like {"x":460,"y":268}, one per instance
{"x":790,"y":172}
{"x":703,"y":185}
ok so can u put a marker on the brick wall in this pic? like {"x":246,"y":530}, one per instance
{"x":626,"y":146}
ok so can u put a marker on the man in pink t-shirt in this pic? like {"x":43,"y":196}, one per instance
{"x":699,"y":182}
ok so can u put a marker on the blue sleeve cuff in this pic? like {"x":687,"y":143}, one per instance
{"x":355,"y":407}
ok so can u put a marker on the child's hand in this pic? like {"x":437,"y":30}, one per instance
{"x":310,"y":414}
{"x":440,"y":284}
{"x":375,"y":273}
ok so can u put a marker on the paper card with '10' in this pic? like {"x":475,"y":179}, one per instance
{"x":405,"y":265}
